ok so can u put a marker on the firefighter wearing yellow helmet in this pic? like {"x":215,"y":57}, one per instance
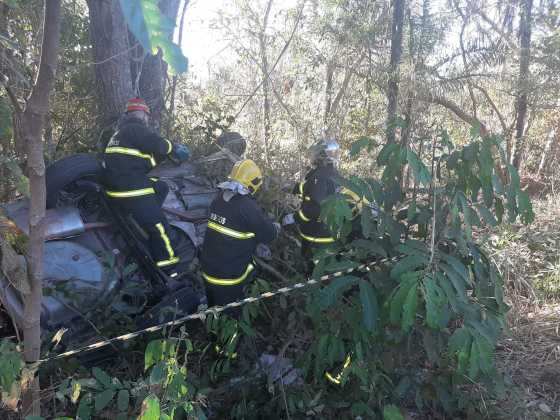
{"x":236,"y":226}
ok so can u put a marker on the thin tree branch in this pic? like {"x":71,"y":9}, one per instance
{"x":456,"y":109}
{"x":300,"y":13}
{"x":494,"y":107}
{"x":11,"y":95}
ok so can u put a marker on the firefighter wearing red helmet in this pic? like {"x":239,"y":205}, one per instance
{"x":132,"y":152}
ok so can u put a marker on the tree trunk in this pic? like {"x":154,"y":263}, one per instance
{"x":33,"y":120}
{"x":116,"y":65}
{"x":266,"y":84}
{"x":328,"y":91}
{"x":154,"y":71}
{"x":396,"y":51}
{"x":109,"y":37}
{"x":174,"y":83}
{"x":523,"y":80}
{"x":549,"y":151}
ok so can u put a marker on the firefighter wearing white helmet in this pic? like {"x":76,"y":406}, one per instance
{"x":236,"y":226}
{"x":318,"y":184}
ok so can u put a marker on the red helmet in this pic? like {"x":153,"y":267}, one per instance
{"x":137,"y":104}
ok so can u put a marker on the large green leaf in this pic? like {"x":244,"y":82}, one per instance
{"x":391,"y":412}
{"x":328,"y":296}
{"x":154,"y":30}
{"x":419,"y":170}
{"x":123,"y":400}
{"x":398,"y":299}
{"x":435,"y":303}
{"x":5,"y":120}
{"x":150,"y":408}
{"x":370,"y":309}
{"x":358,"y":145}
{"x":371,"y":246}
{"x":409,"y":309}
{"x":408,"y":264}
{"x":335,"y":211}
{"x":103,"y":399}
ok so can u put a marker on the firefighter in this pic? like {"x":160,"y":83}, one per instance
{"x":235,"y":227}
{"x":319,"y":183}
{"x":132,"y":152}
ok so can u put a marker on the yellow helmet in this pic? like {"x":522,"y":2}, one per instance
{"x":247,"y":173}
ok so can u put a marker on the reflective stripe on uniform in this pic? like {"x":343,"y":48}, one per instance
{"x":165,"y":240}
{"x":228,"y":282}
{"x":169,"y":146}
{"x":301,"y":194}
{"x":131,"y":152}
{"x":303,"y":216}
{"x":131,"y":193}
{"x":170,"y":261}
{"x":230,"y":232}
{"x":338,"y":378}
{"x":316,"y":240}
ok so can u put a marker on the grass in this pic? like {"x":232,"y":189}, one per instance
{"x":529,"y":354}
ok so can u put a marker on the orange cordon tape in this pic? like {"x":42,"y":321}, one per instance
{"x":214,"y":310}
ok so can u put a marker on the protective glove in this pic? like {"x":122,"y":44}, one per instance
{"x":263,"y":251}
{"x":288,"y":219}
{"x":374,"y":209}
{"x":278,"y":228}
{"x":180,"y":153}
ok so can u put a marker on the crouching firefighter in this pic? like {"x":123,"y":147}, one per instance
{"x":132,"y":152}
{"x":235,"y":227}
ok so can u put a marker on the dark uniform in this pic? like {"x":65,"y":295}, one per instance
{"x":318,"y":185}
{"x":131,"y":153}
{"x":234,"y":229}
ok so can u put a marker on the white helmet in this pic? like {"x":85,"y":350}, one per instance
{"x":325,"y":151}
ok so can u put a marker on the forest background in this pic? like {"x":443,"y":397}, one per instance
{"x":372,"y":73}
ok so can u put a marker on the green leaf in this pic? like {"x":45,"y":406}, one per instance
{"x":371,"y":246}
{"x":368,"y":223}
{"x":154,"y":30}
{"x":84,"y":408}
{"x":435,"y":302}
{"x":525,"y":207}
{"x":391,"y":412}
{"x":335,"y":211}
{"x":409,"y":309}
{"x":102,"y":377}
{"x":158,"y":373}
{"x":487,"y":215}
{"x":328,"y":296}
{"x":150,"y":408}
{"x":471,"y":218}
{"x":386,"y":152}
{"x":474,"y":361}
{"x":419,"y":170}
{"x":408,"y":264}
{"x":123,"y":400}
{"x":103,"y":399}
{"x":158,"y":350}
{"x":459,"y":340}
{"x":398,"y":299}
{"x":458,"y":266}
{"x":5,"y":120}
{"x":76,"y":388}
{"x":370,"y":309}
{"x":359,"y":144}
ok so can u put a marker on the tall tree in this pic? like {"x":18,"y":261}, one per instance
{"x":523,"y":79}
{"x":396,"y":51}
{"x":123,"y":67}
{"x":33,"y":118}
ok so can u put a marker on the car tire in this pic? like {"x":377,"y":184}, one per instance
{"x":70,"y":169}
